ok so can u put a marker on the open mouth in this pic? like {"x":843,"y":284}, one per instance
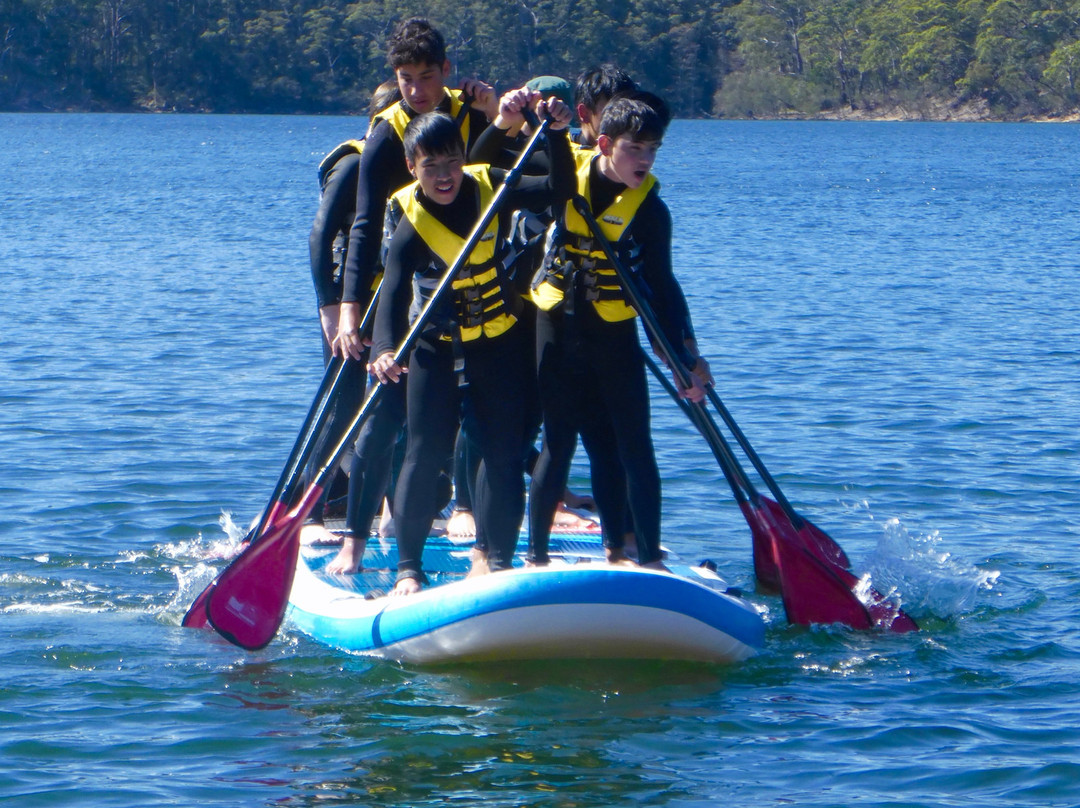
{"x":444,"y":187}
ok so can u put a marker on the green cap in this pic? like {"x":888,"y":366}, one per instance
{"x":556,"y":86}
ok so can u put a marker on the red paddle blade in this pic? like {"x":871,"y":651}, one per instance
{"x":813,"y":592}
{"x":248,"y":601}
{"x":886,"y":614}
{"x":766,"y":565}
{"x":816,"y":589}
{"x":810,"y":536}
{"x":196,"y":613}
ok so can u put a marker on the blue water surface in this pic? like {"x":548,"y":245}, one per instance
{"x":891,"y":314}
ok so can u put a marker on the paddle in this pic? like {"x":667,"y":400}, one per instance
{"x":832,"y":591}
{"x":285,"y":488}
{"x":248,"y":600}
{"x":313,"y":422}
{"x":747,"y":498}
{"x":813,"y":589}
{"x":813,"y":537}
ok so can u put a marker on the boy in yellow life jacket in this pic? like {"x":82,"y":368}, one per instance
{"x":416,"y":52}
{"x":477,"y":330}
{"x":593,"y":90}
{"x":590,"y":364}
{"x":327,"y":241}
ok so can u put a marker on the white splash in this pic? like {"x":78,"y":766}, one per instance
{"x":930,"y":579}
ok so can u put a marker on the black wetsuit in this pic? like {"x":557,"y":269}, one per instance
{"x":592,"y":382}
{"x":326,"y":244}
{"x":496,"y":380}
{"x":381,"y":171}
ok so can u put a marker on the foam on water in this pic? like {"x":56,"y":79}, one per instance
{"x":933,"y":581}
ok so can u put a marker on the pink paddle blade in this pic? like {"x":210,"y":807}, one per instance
{"x":248,"y":601}
{"x":196,"y":613}
{"x":766,"y":566}
{"x":813,"y":592}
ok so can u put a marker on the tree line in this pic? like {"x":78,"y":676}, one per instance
{"x":731,"y":58}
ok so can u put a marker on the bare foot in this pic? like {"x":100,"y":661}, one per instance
{"x":461,"y":523}
{"x":406,"y":586}
{"x":655,"y":565}
{"x":347,"y":561}
{"x":479,"y":564}
{"x":317,"y":535}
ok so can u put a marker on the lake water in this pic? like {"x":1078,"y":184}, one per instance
{"x":892,"y":316}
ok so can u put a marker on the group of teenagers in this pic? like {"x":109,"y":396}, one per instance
{"x":535,"y":336}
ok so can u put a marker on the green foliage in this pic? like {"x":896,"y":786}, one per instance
{"x":729,"y":57}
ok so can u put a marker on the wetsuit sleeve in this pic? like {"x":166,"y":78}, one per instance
{"x":652,"y":230}
{"x":380,"y":167}
{"x":335,"y":215}
{"x":407,"y":251}
{"x":493,"y":147}
{"x":478,"y":126}
{"x":554,"y":189}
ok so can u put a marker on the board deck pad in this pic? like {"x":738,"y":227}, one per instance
{"x":447,"y":559}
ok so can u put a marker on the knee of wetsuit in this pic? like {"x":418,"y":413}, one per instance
{"x":444,"y":491}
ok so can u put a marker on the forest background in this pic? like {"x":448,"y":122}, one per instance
{"x":921,"y":59}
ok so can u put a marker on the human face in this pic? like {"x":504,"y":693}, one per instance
{"x":422,"y":86}
{"x":627,"y":160}
{"x":440,"y":175}
{"x":590,"y":122}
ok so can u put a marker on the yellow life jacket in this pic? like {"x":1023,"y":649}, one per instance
{"x":480,"y":298}
{"x":582,"y":154}
{"x":348,"y":147}
{"x":575,"y":253}
{"x":398,"y":116}
{"x":341,"y":240}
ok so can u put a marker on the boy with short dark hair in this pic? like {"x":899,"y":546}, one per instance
{"x":593,"y":89}
{"x":591,"y":368}
{"x":416,"y":52}
{"x":478,"y":327}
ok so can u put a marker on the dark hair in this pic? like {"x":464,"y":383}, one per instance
{"x":654,"y":101}
{"x":633,"y":117}
{"x":415,"y":41}
{"x":599,"y":84}
{"x":385,"y":94}
{"x":433,"y":133}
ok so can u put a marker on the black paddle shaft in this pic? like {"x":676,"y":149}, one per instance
{"x":720,"y":449}
{"x":318,"y":415}
{"x":697,"y":412}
